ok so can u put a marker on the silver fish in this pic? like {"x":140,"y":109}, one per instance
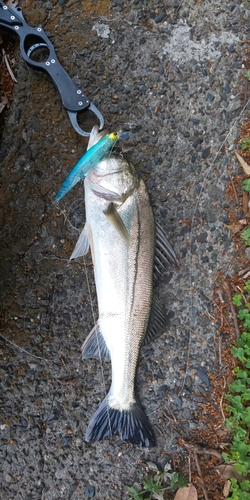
{"x":120,"y":231}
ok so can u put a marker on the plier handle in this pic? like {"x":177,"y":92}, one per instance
{"x":31,"y":39}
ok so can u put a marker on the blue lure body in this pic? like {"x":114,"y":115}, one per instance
{"x":93,"y":156}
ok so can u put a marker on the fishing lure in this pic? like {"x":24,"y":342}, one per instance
{"x":93,"y":156}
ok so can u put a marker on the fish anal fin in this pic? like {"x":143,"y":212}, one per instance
{"x":115,"y":219}
{"x":131,"y":425}
{"x":157,"y":322}
{"x":82,"y":244}
{"x":94,"y":346}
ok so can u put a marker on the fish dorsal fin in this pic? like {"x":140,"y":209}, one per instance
{"x":115,"y":219}
{"x":157,"y":322}
{"x":82,"y":244}
{"x":95,"y":136}
{"x":164,"y":253}
{"x":95,"y":346}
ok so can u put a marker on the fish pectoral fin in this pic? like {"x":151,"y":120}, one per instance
{"x":115,"y":219}
{"x":82,"y":244}
{"x":157,"y":322}
{"x":95,"y":346}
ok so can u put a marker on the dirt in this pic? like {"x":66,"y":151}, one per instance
{"x":179,"y":86}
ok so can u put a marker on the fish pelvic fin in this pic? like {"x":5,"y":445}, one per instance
{"x":95,"y":346}
{"x":115,"y":219}
{"x":131,"y":425}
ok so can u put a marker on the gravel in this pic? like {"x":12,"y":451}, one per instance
{"x":171,"y":75}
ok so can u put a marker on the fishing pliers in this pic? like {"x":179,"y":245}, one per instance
{"x":32,"y":39}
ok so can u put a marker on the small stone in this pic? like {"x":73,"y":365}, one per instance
{"x":150,"y":184}
{"x":205,"y":153}
{"x":188,"y":381}
{"x":247,"y":253}
{"x":224,"y":95}
{"x":8,"y":478}
{"x":232,"y":48}
{"x":193,"y":425}
{"x":202,"y":237}
{"x":113,"y":109}
{"x":205,"y":259}
{"x":160,"y":17}
{"x":210,"y":97}
{"x":197,"y":142}
{"x":89,"y":491}
{"x":162,"y":389}
{"x":240,"y":215}
{"x":202,"y":374}
{"x":125,"y":105}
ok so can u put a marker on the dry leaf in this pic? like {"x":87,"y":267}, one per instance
{"x":187,"y":493}
{"x":235,"y":227}
{"x":229,"y":471}
{"x":244,"y":164}
{"x":246,"y":203}
{"x":3,"y":101}
{"x":226,"y":489}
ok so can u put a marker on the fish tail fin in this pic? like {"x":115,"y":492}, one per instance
{"x":132,"y":425}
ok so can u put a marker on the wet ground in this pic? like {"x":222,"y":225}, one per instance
{"x":171,"y":73}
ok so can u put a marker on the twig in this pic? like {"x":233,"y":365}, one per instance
{"x":5,"y":58}
{"x":243,"y":271}
{"x":220,"y":361}
{"x":221,"y":400}
{"x":201,"y":476}
{"x":66,"y":382}
{"x":21,"y":349}
{"x":233,"y":186}
{"x":189,"y":469}
{"x":227,"y":290}
{"x":202,"y":451}
{"x":245,"y":203}
{"x":220,"y":296}
{"x":168,"y":417}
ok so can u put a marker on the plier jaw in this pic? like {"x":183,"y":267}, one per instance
{"x":74,"y":122}
{"x":32,"y":39}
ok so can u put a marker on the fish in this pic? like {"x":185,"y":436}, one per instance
{"x":121,"y":233}
{"x":93,"y":155}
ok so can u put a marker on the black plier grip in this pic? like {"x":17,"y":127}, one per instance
{"x":31,"y":39}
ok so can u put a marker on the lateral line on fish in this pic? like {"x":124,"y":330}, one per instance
{"x":191,"y":295}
